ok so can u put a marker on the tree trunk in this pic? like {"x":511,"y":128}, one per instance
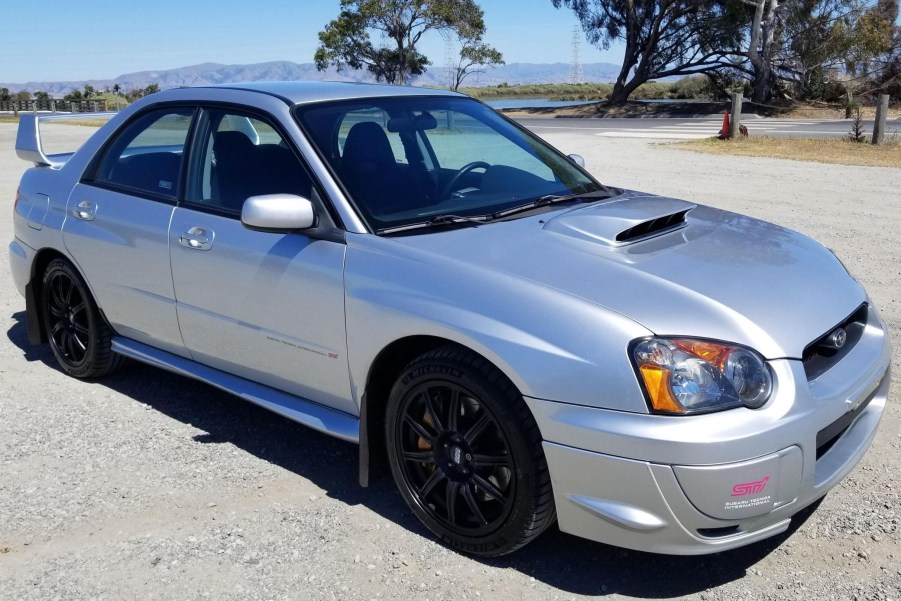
{"x":764,"y":84}
{"x":623,"y":86}
{"x":623,"y":89}
{"x":618,"y":96}
{"x":760,"y":49}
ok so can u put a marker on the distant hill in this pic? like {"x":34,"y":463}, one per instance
{"x":212,"y":73}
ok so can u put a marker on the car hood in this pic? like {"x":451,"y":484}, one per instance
{"x":675,"y":268}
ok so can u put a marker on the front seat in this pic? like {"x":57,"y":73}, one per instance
{"x":376,"y":180}
{"x":235,"y":168}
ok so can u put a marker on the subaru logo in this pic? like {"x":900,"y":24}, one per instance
{"x":837,"y":339}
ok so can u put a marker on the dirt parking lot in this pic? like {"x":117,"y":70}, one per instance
{"x":147,"y":485}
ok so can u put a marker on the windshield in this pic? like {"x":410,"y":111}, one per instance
{"x":408,"y":160}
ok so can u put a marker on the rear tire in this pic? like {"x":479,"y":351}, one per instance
{"x":79,"y":336}
{"x":466,"y":453}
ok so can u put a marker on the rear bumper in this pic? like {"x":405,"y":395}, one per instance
{"x":703,"y":484}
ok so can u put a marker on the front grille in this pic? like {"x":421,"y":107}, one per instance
{"x":820,"y":356}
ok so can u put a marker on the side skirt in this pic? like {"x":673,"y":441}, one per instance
{"x":330,"y":421}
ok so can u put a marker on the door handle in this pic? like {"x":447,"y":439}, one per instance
{"x":85,"y":210}
{"x":197,"y":238}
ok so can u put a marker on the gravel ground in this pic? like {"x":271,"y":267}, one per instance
{"x":147,"y":485}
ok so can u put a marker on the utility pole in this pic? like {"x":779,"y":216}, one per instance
{"x":735,"y":122}
{"x":881,"y":117}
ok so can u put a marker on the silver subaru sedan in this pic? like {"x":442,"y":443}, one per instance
{"x":409,"y":270}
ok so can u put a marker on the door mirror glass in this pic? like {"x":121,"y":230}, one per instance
{"x":278,"y":213}
{"x":577,"y":159}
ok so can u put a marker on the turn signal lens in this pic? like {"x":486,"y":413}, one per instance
{"x":656,"y":381}
{"x":684,"y":376}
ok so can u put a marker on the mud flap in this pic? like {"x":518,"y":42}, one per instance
{"x":36,"y":334}
{"x":364,"y":445}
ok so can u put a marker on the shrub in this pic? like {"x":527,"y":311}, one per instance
{"x":693,"y":87}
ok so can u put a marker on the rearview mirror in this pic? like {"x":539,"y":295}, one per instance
{"x":278,"y":213}
{"x":419,"y":122}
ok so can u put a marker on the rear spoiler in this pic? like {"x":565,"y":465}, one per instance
{"x":28,"y":139}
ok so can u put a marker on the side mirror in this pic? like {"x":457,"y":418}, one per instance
{"x":278,"y":213}
{"x":577,"y":159}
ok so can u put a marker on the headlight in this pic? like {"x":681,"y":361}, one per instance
{"x":694,"y":376}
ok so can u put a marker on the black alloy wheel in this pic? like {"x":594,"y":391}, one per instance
{"x":79,"y":337}
{"x":466,"y":453}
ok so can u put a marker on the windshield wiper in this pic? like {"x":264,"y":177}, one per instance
{"x":437,"y":221}
{"x":552,"y":199}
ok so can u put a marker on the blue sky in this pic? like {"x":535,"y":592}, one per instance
{"x":60,"y":40}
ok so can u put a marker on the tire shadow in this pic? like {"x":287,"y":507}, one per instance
{"x":329,"y":463}
{"x":18,"y":335}
{"x":571,"y":564}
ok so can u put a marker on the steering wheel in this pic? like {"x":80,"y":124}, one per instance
{"x":449,"y":186}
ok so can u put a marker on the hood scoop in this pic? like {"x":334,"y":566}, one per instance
{"x":623,"y":221}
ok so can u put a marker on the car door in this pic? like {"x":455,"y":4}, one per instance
{"x":261,"y":305}
{"x":117,"y":225}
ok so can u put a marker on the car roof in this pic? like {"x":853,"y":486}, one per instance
{"x":300,"y":92}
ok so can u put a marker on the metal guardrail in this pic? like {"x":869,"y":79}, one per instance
{"x":54,"y":105}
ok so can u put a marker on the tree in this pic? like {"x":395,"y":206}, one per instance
{"x":4,"y":95}
{"x":877,"y":52}
{"x":345,"y":41}
{"x":73,"y":95}
{"x":887,"y":78}
{"x":662,"y":38}
{"x":23,"y":96}
{"x":39,"y":95}
{"x":89,"y":92}
{"x":802,"y":41}
{"x":762,"y":47}
{"x":474,"y":56}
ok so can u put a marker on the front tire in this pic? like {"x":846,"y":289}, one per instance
{"x":79,"y":337}
{"x":466,"y":453}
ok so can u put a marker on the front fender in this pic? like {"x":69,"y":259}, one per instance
{"x":551,"y":345}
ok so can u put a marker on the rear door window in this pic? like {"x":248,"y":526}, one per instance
{"x":146,"y":156}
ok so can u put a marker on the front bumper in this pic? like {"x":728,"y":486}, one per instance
{"x":702,"y":484}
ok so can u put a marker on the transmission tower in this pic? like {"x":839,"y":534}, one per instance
{"x":450,"y":66}
{"x":576,"y":66}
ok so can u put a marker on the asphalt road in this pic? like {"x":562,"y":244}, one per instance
{"x":686,"y":129}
